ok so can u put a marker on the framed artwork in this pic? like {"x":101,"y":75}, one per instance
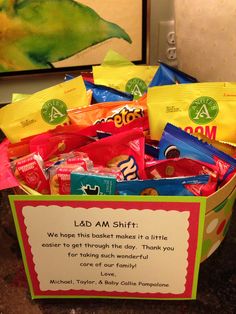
{"x":39,"y":36}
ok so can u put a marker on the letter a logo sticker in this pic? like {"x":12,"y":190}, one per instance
{"x":54,"y":111}
{"x":203,"y":110}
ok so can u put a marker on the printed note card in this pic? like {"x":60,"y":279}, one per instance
{"x":110,"y":246}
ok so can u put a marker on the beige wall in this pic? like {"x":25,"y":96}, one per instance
{"x":206,"y":38}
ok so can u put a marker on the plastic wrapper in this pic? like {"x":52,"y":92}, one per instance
{"x":97,"y":181}
{"x":120,"y":112}
{"x":102,"y":93}
{"x":207,"y":108}
{"x":31,"y":170}
{"x":176,"y":143}
{"x":121,"y":74}
{"x":61,"y":140}
{"x":43,"y":110}
{"x":124,"y":150}
{"x":184,"y":186}
{"x":167,"y":75}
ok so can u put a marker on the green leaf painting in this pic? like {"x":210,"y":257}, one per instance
{"x":36,"y":33}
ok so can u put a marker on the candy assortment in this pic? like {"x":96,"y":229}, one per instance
{"x":82,"y":137}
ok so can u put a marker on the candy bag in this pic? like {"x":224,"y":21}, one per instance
{"x":167,"y":75}
{"x":224,"y":147}
{"x":58,"y":141}
{"x":121,"y":74}
{"x":176,"y":143}
{"x":19,"y":149}
{"x":184,"y":186}
{"x":60,"y":178}
{"x":101,"y":93}
{"x":93,"y":182}
{"x":121,"y":112}
{"x":43,"y":110}
{"x":131,"y":79}
{"x":31,"y":170}
{"x":124,"y":150}
{"x":207,"y":108}
{"x":179,"y":167}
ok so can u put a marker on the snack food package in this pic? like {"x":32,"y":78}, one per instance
{"x":61,"y":140}
{"x":133,"y":79}
{"x":43,"y":110}
{"x":124,"y":150}
{"x":31,"y":170}
{"x":176,"y":143}
{"x":185,"y":186}
{"x":102,"y":93}
{"x":119,"y":73}
{"x":207,"y":108}
{"x":179,"y":167}
{"x":92,"y":183}
{"x":167,"y":75}
{"x":120,"y":112}
{"x":224,"y":147}
{"x":60,"y":178}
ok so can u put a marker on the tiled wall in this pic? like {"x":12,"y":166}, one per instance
{"x":206,"y":38}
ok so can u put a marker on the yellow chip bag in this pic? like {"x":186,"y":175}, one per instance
{"x":118,"y":72}
{"x":43,"y":110}
{"x":133,"y":79}
{"x":206,"y":108}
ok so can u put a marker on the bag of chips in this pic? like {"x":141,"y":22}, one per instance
{"x":176,"y":143}
{"x":121,"y":74}
{"x":120,"y":112}
{"x":102,"y":93}
{"x":43,"y":110}
{"x":167,"y":75}
{"x":207,"y":108}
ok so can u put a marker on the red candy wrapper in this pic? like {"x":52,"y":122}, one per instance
{"x":64,"y":179}
{"x":179,"y":167}
{"x":80,"y":159}
{"x":124,"y":150}
{"x":184,"y":167}
{"x":61,"y":140}
{"x":31,"y":171}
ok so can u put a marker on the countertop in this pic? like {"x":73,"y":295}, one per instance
{"x":216,"y":286}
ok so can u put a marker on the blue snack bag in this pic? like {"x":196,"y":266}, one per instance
{"x":177,"y":143}
{"x":102,"y":93}
{"x":167,"y":75}
{"x":177,"y":186}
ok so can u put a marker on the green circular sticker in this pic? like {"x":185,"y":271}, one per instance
{"x":203,"y":110}
{"x":54,"y":111}
{"x":136,"y":87}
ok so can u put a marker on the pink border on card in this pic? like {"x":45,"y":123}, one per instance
{"x":192,"y":207}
